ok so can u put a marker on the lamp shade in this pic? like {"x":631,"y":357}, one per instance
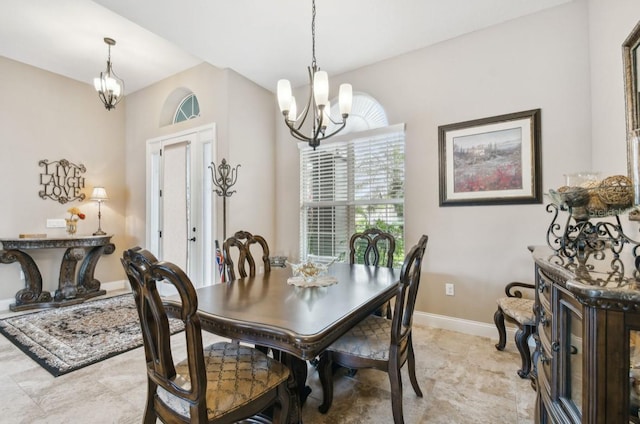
{"x":99,"y":194}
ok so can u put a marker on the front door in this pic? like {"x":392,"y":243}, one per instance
{"x":180,"y":212}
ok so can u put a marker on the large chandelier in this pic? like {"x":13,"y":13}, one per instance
{"x":318,"y":106}
{"x":110,"y":88}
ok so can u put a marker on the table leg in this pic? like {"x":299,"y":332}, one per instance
{"x":297,"y":385}
{"x":67,"y":288}
{"x":86,"y":281}
{"x":32,"y":293}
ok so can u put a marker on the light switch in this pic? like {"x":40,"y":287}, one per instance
{"x":56,"y":223}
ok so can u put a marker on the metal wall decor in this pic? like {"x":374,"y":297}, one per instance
{"x":62,"y":181}
{"x":224,"y":177}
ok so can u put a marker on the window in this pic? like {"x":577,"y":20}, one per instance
{"x":350,"y":183}
{"x":188,"y":109}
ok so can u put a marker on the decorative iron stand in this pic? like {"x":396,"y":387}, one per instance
{"x":224,"y":177}
{"x":574,"y":237}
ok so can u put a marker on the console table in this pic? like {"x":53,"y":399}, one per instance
{"x":587,"y":359}
{"x":72,"y":288}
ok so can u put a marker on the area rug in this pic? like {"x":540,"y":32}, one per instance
{"x":65,"y":339}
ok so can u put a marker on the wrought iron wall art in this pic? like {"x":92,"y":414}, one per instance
{"x":62,"y":180}
{"x":224,"y":177}
{"x":574,"y":237}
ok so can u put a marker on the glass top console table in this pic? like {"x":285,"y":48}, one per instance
{"x":72,"y":288}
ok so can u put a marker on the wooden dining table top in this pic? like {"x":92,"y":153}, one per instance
{"x":301,"y":321}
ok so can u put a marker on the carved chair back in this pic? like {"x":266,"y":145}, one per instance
{"x":372,"y":247}
{"x":243,"y":240}
{"x":405,"y":302}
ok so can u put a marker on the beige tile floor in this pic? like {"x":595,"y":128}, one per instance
{"x":463,"y":378}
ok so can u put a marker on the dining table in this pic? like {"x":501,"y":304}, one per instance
{"x":296,"y":321}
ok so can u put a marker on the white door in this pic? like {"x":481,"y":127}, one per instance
{"x":180,"y":210}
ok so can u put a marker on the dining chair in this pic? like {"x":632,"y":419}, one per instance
{"x":243,"y":240}
{"x":517,"y":310}
{"x":373,"y":247}
{"x":222,"y":383}
{"x":379,"y":343}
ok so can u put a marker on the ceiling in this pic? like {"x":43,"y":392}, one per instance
{"x":264,"y":40}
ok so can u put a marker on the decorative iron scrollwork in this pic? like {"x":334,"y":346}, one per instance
{"x":574,"y":237}
{"x":62,"y":180}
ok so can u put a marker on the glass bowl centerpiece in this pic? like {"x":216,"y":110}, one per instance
{"x":311,"y":274}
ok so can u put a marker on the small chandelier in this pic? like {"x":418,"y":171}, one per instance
{"x":318,"y":105}
{"x":110,"y":88}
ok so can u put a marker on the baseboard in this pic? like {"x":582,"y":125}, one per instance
{"x":474,"y":328}
{"x":110,"y":286}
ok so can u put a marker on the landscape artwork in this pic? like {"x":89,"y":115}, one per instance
{"x":491,"y":160}
{"x":488,"y":161}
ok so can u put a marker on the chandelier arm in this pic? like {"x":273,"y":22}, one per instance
{"x":333,"y":133}
{"x":299,"y":135}
{"x":337,"y":122}
{"x":310,"y":99}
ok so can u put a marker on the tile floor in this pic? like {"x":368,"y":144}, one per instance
{"x":464,"y":380}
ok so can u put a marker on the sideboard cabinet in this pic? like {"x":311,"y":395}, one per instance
{"x":587,"y":354}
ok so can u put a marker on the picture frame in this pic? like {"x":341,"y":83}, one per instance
{"x":491,"y":161}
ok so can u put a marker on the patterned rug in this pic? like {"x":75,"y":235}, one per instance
{"x":65,"y":339}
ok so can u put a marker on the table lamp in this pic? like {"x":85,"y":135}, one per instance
{"x":99,"y":195}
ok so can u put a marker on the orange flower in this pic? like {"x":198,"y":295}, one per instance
{"x":74,"y":211}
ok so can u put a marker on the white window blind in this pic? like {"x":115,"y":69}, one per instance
{"x":348,"y":184}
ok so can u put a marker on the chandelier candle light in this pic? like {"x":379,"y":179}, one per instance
{"x":318,"y":106}
{"x":110,"y":88}
{"x":99,"y":195}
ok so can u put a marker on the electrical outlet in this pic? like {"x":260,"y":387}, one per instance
{"x":448,"y":289}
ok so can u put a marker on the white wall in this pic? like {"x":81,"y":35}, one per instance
{"x":538,"y":61}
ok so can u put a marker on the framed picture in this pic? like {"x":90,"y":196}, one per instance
{"x":491,"y":161}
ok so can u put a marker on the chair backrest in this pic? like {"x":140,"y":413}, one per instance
{"x":243,"y":240}
{"x":144,"y":271}
{"x":373,"y":247}
{"x":407,"y":292}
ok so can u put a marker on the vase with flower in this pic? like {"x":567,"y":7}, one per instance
{"x":72,"y":221}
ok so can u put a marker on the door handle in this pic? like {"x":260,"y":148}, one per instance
{"x":192,"y":238}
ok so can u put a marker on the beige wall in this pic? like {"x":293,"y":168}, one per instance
{"x":47,"y":116}
{"x":539,"y":61}
{"x":242,"y":112}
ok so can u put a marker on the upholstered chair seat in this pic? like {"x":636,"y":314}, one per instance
{"x":520,"y":310}
{"x":370,"y":339}
{"x":235,"y":373}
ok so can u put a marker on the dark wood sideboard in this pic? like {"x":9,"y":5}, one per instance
{"x":588,"y":340}
{"x":72,"y":288}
